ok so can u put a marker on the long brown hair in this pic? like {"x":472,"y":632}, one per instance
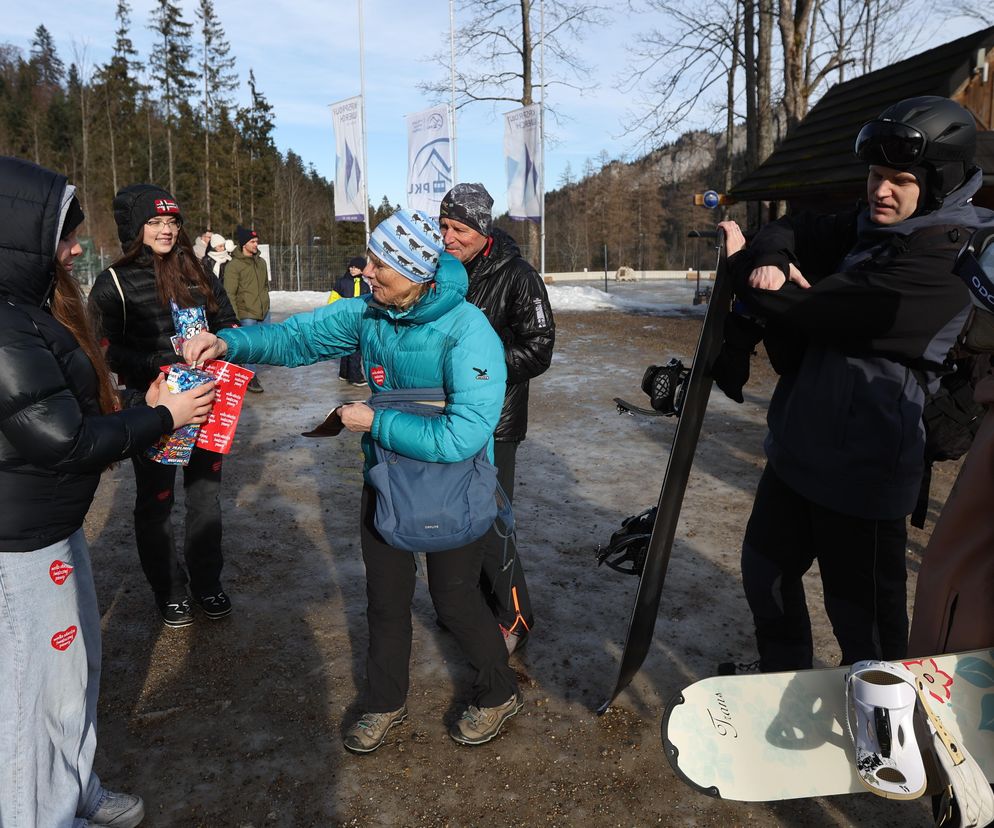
{"x":69,"y":308}
{"x":175,"y":273}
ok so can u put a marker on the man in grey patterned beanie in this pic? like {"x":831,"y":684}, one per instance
{"x":469,"y":204}
{"x":512,"y":295}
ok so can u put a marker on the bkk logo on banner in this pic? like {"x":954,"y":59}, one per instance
{"x":429,"y":159}
{"x":349,"y":199}
{"x":522,"y":154}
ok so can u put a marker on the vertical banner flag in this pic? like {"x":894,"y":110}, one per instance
{"x":429,"y":159}
{"x":347,"y":118}
{"x":522,"y":154}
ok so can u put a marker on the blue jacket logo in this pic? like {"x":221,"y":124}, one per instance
{"x":481,"y":373}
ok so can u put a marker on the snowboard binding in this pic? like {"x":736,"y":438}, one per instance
{"x":627,"y":548}
{"x":665,"y":385}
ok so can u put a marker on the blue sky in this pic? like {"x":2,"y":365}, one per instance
{"x":305,"y":55}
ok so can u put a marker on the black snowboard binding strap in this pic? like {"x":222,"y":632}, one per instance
{"x":626,"y":551}
{"x":665,"y":386}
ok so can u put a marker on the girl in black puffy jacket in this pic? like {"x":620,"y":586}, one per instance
{"x":61,"y":424}
{"x":132,"y":301}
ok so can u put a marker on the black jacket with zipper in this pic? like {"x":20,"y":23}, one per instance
{"x":513,"y":297}
{"x":883,"y":310}
{"x":54,"y":442}
{"x":139,"y":329}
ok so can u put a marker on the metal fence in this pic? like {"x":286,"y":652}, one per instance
{"x":92,"y":261}
{"x":292,"y":267}
{"x":308,"y":267}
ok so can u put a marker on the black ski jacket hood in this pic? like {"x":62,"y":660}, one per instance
{"x":30,"y":202}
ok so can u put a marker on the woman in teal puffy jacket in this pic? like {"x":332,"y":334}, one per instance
{"x":415,"y":330}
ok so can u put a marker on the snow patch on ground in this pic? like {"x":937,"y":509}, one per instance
{"x":660,"y":298}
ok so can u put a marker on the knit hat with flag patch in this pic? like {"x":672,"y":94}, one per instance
{"x":410,"y":242}
{"x":136,"y":204}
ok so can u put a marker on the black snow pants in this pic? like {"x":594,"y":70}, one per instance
{"x":503,"y":578}
{"x":350,"y":368}
{"x":454,"y":585}
{"x":863,"y":575}
{"x":154,"y":530}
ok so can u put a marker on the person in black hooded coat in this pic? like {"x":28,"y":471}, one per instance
{"x":60,"y":426}
{"x":131,"y":300}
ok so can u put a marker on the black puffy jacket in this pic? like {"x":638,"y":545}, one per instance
{"x":54,"y":442}
{"x":513,"y":296}
{"x":139,"y":329}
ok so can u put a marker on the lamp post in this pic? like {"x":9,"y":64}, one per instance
{"x":310,"y":258}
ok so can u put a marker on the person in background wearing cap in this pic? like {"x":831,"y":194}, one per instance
{"x":246,"y":279}
{"x":513,"y":296}
{"x":415,"y":330}
{"x":131,"y":300}
{"x":872,"y":308}
{"x":217,"y":256}
{"x":348,"y":286}
{"x":62,"y":425}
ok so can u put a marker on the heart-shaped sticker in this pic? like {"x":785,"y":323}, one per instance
{"x":61,"y":640}
{"x":59,"y":571}
{"x":378,"y":375}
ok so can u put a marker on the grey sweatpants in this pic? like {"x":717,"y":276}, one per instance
{"x":50,"y":657}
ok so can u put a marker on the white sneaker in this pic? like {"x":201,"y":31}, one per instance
{"x":119,"y":810}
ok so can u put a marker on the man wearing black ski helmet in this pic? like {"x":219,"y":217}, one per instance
{"x":861,"y":309}
{"x":933,"y":138}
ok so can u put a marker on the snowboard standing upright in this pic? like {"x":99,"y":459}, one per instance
{"x":688,"y":430}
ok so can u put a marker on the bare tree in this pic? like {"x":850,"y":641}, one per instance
{"x":979,"y":10}
{"x":730,"y":106}
{"x":680,"y":65}
{"x":496,"y":55}
{"x":677,"y":68}
{"x":819,"y":37}
{"x":496,"y":49}
{"x":757,"y":61}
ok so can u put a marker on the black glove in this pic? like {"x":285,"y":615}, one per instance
{"x":731,"y":367}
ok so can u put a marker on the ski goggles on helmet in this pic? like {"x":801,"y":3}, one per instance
{"x":891,"y":144}
{"x":975,"y":266}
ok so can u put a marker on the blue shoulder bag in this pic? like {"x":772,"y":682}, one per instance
{"x":423,"y":506}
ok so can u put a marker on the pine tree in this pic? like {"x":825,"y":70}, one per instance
{"x":118,"y":77}
{"x":51,"y":70}
{"x":256,"y":125}
{"x":47,"y":72}
{"x":170,"y":64}
{"x":218,"y":81}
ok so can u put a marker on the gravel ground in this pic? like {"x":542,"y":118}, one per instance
{"x":239,"y":722}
